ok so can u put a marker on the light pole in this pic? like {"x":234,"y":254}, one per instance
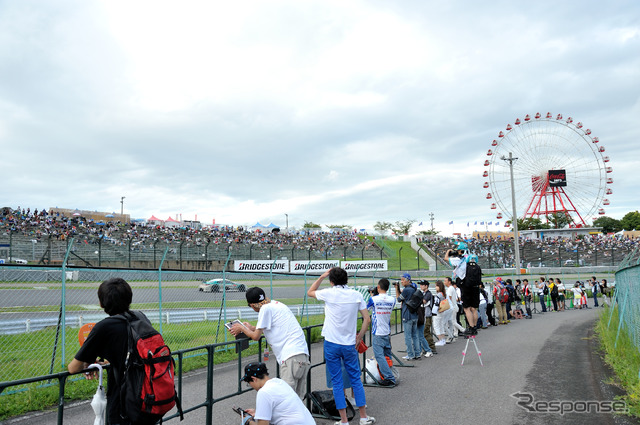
{"x":287,"y":219}
{"x":431,"y":217}
{"x":514,"y":217}
{"x":122,"y":205}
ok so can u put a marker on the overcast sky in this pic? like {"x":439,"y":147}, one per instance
{"x":335,"y":112}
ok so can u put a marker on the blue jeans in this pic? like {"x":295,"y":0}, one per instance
{"x":595,"y":299}
{"x":424,"y":345}
{"x":382,"y":347}
{"x":336,"y":355}
{"x":411,"y":337}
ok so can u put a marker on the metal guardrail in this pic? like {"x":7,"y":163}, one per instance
{"x":12,"y":327}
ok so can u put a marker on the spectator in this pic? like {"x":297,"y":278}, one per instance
{"x":382,"y":305}
{"x":542,"y":292}
{"x":276,"y":402}
{"x":490,"y":305}
{"x":561,"y":295}
{"x":421,"y":328}
{"x":109,"y":340}
{"x":283,"y":333}
{"x":409,"y":319}
{"x":526,"y":293}
{"x":577,"y":295}
{"x":340,"y":325}
{"x":440,"y":307}
{"x":501,"y":304}
{"x":595,"y":290}
{"x":427,"y":300}
{"x":553,"y":292}
{"x":452,"y":327}
{"x":482,"y":308}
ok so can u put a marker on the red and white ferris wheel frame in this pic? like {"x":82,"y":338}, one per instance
{"x":547,"y":197}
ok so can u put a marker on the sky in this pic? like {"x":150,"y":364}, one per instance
{"x":331,"y":112}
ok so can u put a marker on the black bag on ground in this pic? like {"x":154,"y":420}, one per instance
{"x":323,"y":403}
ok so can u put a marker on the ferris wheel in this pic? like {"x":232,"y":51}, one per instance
{"x":560,"y":169}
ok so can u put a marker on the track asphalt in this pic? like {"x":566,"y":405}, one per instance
{"x":554,"y":358}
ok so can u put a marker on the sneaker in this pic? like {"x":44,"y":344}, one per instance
{"x":407,"y":358}
{"x":428,"y":354}
{"x":449,"y":340}
{"x":441,"y":343}
{"x":387,"y":383}
{"x":417,"y":358}
{"x":368,"y":420}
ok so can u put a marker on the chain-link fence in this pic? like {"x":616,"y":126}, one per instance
{"x":43,"y":309}
{"x":627,"y":296}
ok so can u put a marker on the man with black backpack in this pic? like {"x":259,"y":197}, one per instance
{"x":114,"y":339}
{"x":409,"y":316}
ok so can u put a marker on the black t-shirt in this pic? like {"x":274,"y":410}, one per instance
{"x":108,"y":340}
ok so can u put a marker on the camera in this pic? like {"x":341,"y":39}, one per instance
{"x":454,"y":253}
{"x":373,"y":291}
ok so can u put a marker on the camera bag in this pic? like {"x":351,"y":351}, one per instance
{"x":324,"y":405}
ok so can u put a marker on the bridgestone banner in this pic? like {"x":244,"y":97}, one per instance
{"x":364,"y":266}
{"x":314,"y":267}
{"x":257,"y":266}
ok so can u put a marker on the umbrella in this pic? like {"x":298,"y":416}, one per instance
{"x":110,"y":215}
{"x":99,"y":402}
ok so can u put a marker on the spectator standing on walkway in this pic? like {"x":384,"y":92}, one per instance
{"x":450,"y":323}
{"x":276,"y":402}
{"x":490,"y":304}
{"x":340,"y":340}
{"x":526,"y":294}
{"x":577,"y":296}
{"x":512,"y":297}
{"x":595,"y":289}
{"x":438,"y":313}
{"x":381,"y":305}
{"x":553,"y":293}
{"x":409,"y":319}
{"x":561,"y":295}
{"x":283,"y":333}
{"x":427,"y":300}
{"x":109,"y":340}
{"x":542,"y":291}
{"x":501,"y":296}
{"x":482,"y":308}
{"x":425,"y":349}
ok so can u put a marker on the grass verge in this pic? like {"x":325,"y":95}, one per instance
{"x":622,"y":355}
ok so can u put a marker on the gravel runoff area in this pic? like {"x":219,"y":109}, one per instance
{"x":553,"y":357}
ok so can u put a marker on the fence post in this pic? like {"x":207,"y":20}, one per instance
{"x":400,"y":257}
{"x":160,"y":286}
{"x":620,"y":316}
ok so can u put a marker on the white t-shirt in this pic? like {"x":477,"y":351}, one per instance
{"x":452,"y":297}
{"x":277,"y":403}
{"x":282,"y":330}
{"x":459,"y":266}
{"x":341,"y":314}
{"x":382,"y":307}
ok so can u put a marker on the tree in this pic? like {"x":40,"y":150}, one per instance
{"x":311,"y":225}
{"x":608,"y":224}
{"x":402,"y":227}
{"x":631,"y":221}
{"x":339,"y":226}
{"x":428,"y":232}
{"x":530,"y":223}
{"x":559,"y":220}
{"x":382,"y":226}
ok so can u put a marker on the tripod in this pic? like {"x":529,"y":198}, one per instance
{"x":466,"y":347}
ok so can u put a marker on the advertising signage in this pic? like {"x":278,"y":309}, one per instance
{"x":557,"y":178}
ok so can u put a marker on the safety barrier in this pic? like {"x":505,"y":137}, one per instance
{"x":211,"y":351}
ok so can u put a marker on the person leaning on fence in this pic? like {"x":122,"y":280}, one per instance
{"x":108,"y":340}
{"x":340,"y":339}
{"x":381,"y":305}
{"x":276,"y":402}
{"x":283,"y":333}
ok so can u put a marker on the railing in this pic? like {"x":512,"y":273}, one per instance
{"x":179,"y":356}
{"x":627,"y":297}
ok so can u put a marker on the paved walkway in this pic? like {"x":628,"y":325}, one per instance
{"x":553,"y":358}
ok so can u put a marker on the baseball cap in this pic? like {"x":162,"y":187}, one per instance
{"x":255,"y":295}
{"x":424,"y":282}
{"x":462,"y":246}
{"x":407,"y":276}
{"x":254,"y":369}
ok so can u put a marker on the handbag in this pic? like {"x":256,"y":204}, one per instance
{"x":444,"y":306}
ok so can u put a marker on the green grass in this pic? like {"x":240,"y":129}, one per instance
{"x":408,"y":259}
{"x":623,"y":357}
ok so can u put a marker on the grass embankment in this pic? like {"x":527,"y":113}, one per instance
{"x":623,"y":357}
{"x":405,"y":259}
